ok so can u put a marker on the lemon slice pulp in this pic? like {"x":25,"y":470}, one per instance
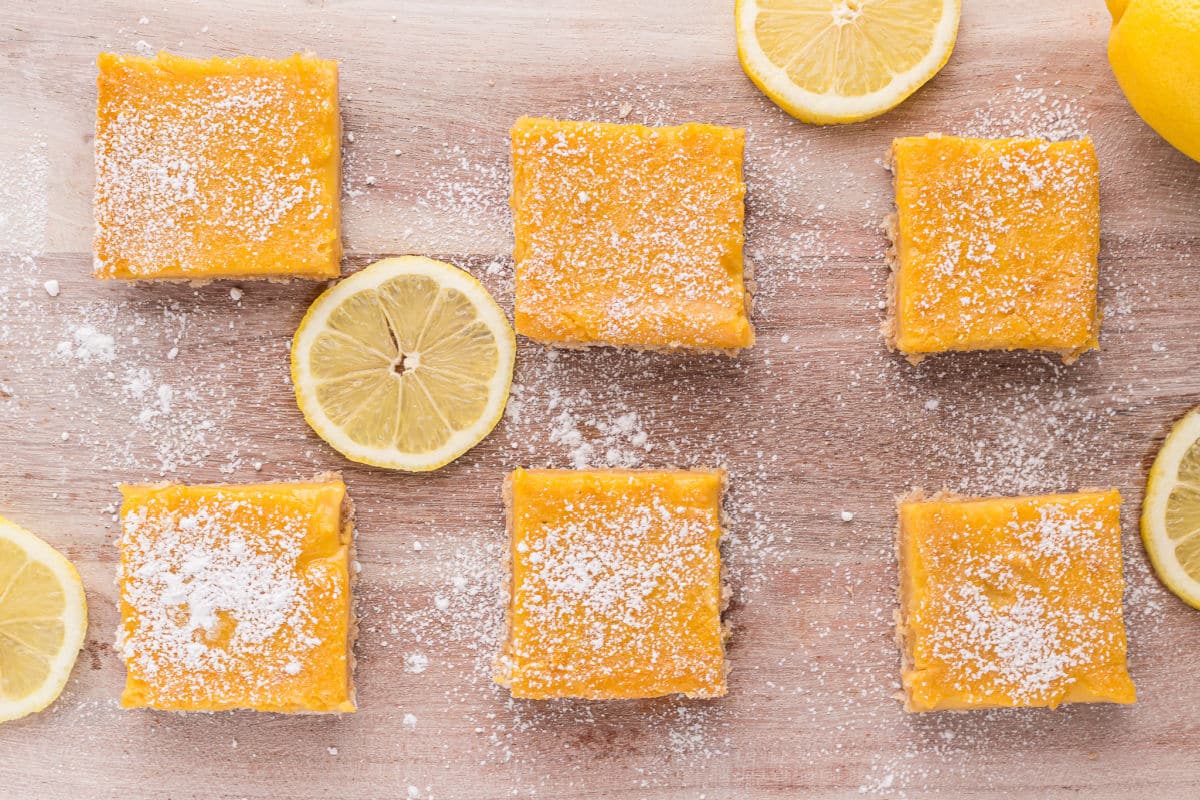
{"x":43,"y":620}
{"x":406,"y":364}
{"x":833,"y":61}
{"x":1171,"y":510}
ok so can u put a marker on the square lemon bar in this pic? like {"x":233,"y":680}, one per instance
{"x":1013,"y":601}
{"x":237,"y":597}
{"x":994,"y":246}
{"x":629,"y":236}
{"x":225,"y":168}
{"x":616,"y":585}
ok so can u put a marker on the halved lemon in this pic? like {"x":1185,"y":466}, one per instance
{"x":1171,"y":510}
{"x":43,"y":620}
{"x":405,"y":365}
{"x":832,"y":61}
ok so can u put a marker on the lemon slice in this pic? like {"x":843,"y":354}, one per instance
{"x":1171,"y":510}
{"x":405,"y":365}
{"x":43,"y":619}
{"x":831,"y":61}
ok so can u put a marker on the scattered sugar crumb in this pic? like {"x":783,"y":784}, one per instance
{"x":88,"y":344}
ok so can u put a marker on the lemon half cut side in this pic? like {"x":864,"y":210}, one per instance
{"x":43,"y":621}
{"x":1171,"y":510}
{"x":837,"y":61}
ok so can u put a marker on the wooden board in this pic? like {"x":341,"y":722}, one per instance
{"x":816,"y":420}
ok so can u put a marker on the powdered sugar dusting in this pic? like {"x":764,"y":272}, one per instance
{"x":1026,"y":110}
{"x":207,"y":565}
{"x":219,"y":608}
{"x":23,"y":202}
{"x":996,"y":245}
{"x":113,"y":365}
{"x":629,"y":236}
{"x":1003,"y":609}
{"x":615,"y":586}
{"x":226,"y":173}
{"x":816,"y":419}
{"x":594,"y":435}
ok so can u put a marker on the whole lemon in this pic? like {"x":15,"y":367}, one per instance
{"x":1154,"y":49}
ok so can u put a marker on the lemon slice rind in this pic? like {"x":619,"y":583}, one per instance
{"x":1162,"y":481}
{"x":830,"y":108}
{"x":316,"y":321}
{"x":73,"y":618}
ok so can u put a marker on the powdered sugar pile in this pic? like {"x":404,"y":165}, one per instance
{"x":86,"y":344}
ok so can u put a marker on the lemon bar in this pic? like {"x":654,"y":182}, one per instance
{"x":237,"y":596}
{"x":1013,"y":601}
{"x":994,"y":246}
{"x":629,"y":236}
{"x":616,"y":585}
{"x":219,"y":168}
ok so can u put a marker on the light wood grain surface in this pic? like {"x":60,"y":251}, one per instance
{"x":816,"y":420}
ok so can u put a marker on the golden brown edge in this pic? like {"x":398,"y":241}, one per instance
{"x":891,"y":228}
{"x":900,"y":615}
